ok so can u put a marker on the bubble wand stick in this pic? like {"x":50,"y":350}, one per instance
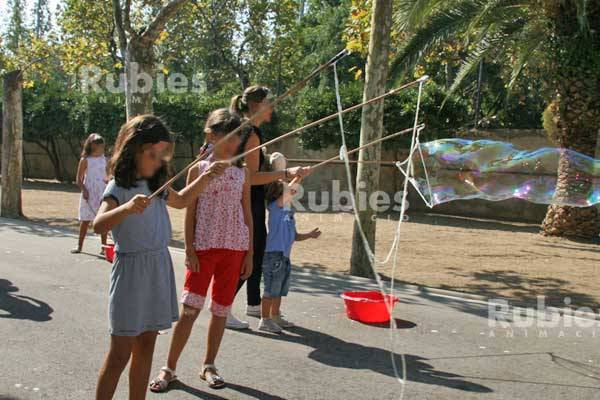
{"x":364,"y":146}
{"x":330,"y":117}
{"x":294,"y":89}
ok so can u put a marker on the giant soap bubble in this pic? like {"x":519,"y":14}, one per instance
{"x":457,"y":169}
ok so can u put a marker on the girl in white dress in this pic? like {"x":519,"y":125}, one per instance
{"x":91,"y":180}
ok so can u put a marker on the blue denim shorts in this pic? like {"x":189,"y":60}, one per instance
{"x":276,"y":274}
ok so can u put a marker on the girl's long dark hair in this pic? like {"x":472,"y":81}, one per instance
{"x":134,"y":134}
{"x":252,"y":94}
{"x":91,"y":140}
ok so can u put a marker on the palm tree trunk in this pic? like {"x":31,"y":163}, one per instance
{"x":576,"y":110}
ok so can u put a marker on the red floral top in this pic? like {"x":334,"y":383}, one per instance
{"x":219,"y":213}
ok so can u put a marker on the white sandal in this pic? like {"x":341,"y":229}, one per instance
{"x":215,"y":381}
{"x":160,"y":385}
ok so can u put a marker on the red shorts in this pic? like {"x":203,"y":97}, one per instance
{"x":221,"y":266}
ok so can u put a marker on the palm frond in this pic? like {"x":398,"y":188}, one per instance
{"x":484,"y":47}
{"x":494,"y":37}
{"x":528,"y":43}
{"x":582,"y":16}
{"x":497,"y":11}
{"x":412,"y":13}
{"x":438,"y":28}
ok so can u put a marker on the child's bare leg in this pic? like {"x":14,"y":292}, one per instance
{"x":141,"y":363}
{"x":275,"y":306}
{"x":83,"y":228}
{"x":114,"y":364}
{"x":266,"y":306}
{"x":216,"y":328}
{"x":103,"y":238}
{"x":181,"y":334}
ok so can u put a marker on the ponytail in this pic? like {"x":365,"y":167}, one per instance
{"x":236,"y":106}
{"x":252,"y":94}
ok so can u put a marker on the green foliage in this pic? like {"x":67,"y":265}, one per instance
{"x":47,"y":112}
{"x":185,"y":114}
{"x":272,"y":43}
{"x":515,"y":40}
{"x":399,"y":114}
{"x":16,"y":32}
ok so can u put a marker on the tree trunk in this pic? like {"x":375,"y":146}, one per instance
{"x":12,"y":146}
{"x":140,"y":74}
{"x":56,"y":159}
{"x":371,"y":129}
{"x":575,"y":109}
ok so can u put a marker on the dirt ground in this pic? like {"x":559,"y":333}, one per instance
{"x":495,"y":259}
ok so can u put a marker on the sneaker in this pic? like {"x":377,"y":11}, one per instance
{"x":268,"y":325}
{"x":234,"y":323}
{"x":282,"y":322}
{"x":253,"y":311}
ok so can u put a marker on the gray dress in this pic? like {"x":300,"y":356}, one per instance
{"x":143,"y":296}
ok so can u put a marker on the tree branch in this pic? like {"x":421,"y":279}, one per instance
{"x":118,"y":12}
{"x":127,"y":18}
{"x":217,"y":42}
{"x":161,"y":19}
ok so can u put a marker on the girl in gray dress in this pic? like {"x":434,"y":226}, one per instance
{"x":142,"y":295}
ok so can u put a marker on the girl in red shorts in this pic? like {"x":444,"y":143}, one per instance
{"x":217,"y":243}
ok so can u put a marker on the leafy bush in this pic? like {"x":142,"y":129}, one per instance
{"x":399,"y":114}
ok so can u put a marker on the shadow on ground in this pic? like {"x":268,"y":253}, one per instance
{"x":576,"y":367}
{"x":524,"y":289}
{"x":16,"y":306}
{"x":472,"y":223}
{"x":254,"y":393}
{"x":38,"y":228}
{"x":334,"y":352}
{"x":316,"y":283}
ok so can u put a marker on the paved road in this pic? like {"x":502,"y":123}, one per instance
{"x":54,"y":330}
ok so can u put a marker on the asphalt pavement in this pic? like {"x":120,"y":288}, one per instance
{"x":54,"y":329}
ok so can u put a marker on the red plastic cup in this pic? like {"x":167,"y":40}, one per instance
{"x":109,"y":252}
{"x":368,"y":306}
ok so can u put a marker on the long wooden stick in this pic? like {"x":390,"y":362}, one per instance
{"x":254,"y":116}
{"x":364,"y":146}
{"x":330,"y":117}
{"x":317,"y":161}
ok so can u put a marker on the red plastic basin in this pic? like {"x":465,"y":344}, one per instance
{"x":368,"y":306}
{"x":109,"y":252}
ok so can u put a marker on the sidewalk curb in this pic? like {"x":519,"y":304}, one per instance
{"x":523,"y":308}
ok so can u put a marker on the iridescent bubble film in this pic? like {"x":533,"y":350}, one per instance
{"x":463,"y":169}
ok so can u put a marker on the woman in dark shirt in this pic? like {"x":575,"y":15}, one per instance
{"x":252,"y":100}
